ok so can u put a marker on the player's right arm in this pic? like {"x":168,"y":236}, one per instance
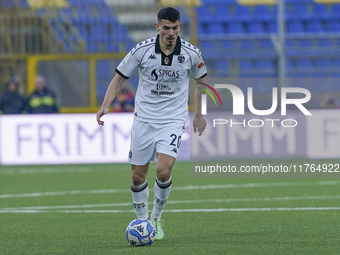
{"x":111,"y":93}
{"x":124,"y":71}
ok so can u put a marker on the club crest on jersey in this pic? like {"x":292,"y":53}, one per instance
{"x":166,"y":61}
{"x":181,"y":59}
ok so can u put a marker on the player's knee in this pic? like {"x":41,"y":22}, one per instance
{"x":138,"y":178}
{"x":163,"y":176}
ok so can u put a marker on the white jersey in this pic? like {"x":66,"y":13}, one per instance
{"x":162,"y":92}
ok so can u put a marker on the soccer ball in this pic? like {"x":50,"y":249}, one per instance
{"x":140,"y":233}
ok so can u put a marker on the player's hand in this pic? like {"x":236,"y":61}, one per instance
{"x":100,"y":114}
{"x":199,"y":123}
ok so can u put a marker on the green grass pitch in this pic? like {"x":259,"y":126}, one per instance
{"x":84,"y":209}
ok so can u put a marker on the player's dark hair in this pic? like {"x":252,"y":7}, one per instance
{"x":170,"y":14}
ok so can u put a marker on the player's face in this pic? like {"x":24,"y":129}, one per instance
{"x":168,"y":32}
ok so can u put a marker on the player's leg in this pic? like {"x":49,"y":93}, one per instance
{"x":140,"y":190}
{"x":163,"y":183}
{"x":167,"y":146}
{"x":142,"y":151}
{"x":162,"y":190}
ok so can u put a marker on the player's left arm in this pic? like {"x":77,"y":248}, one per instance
{"x":199,"y":123}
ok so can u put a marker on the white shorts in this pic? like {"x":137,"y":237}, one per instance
{"x":149,"y":139}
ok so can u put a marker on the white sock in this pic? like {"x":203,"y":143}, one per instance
{"x":140,"y":196}
{"x":162,"y":191}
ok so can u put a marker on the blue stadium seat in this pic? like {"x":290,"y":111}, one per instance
{"x":304,"y":63}
{"x":92,"y":47}
{"x":262,"y":12}
{"x":333,"y":26}
{"x":112,"y":47}
{"x":222,"y":64}
{"x":299,"y":11}
{"x":265,"y":63}
{"x":324,"y":42}
{"x":222,"y":13}
{"x":245,"y":64}
{"x":323,"y":62}
{"x":24,"y":4}
{"x":235,"y":28}
{"x":305,"y":43}
{"x":203,"y":14}
{"x":272,"y":27}
{"x":216,"y":28}
{"x":228,"y":45}
{"x":266,"y":44}
{"x":336,"y":11}
{"x":221,"y":68}
{"x":290,"y":63}
{"x":247,"y":44}
{"x":202,"y":28}
{"x":256,"y":27}
{"x":319,"y":75}
{"x":295,"y":27}
{"x":207,"y":45}
{"x":241,"y":13}
{"x":314,"y":26}
{"x":290,"y":43}
{"x":320,"y":12}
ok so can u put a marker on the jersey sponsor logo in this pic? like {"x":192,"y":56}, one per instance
{"x":154,"y":74}
{"x":168,"y":73}
{"x":166,"y":61}
{"x":152,"y":56}
{"x":162,"y":92}
{"x":164,"y":73}
{"x":200,"y":65}
{"x":181,"y":59}
{"x":162,"y":86}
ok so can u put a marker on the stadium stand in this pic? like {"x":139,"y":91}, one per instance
{"x":312,"y":31}
{"x":237,"y":38}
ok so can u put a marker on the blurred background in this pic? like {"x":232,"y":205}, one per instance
{"x":77,"y":44}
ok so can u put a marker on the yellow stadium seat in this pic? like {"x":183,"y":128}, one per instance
{"x":256,"y":2}
{"x":48,"y":3}
{"x":180,"y":2}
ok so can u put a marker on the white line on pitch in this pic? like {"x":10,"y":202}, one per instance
{"x":184,"y":210}
{"x":52,"y":170}
{"x":201,"y":187}
{"x":174,"y":202}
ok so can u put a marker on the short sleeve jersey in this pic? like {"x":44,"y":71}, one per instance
{"x":163,"y":86}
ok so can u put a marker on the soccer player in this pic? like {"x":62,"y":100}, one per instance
{"x":161,"y":108}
